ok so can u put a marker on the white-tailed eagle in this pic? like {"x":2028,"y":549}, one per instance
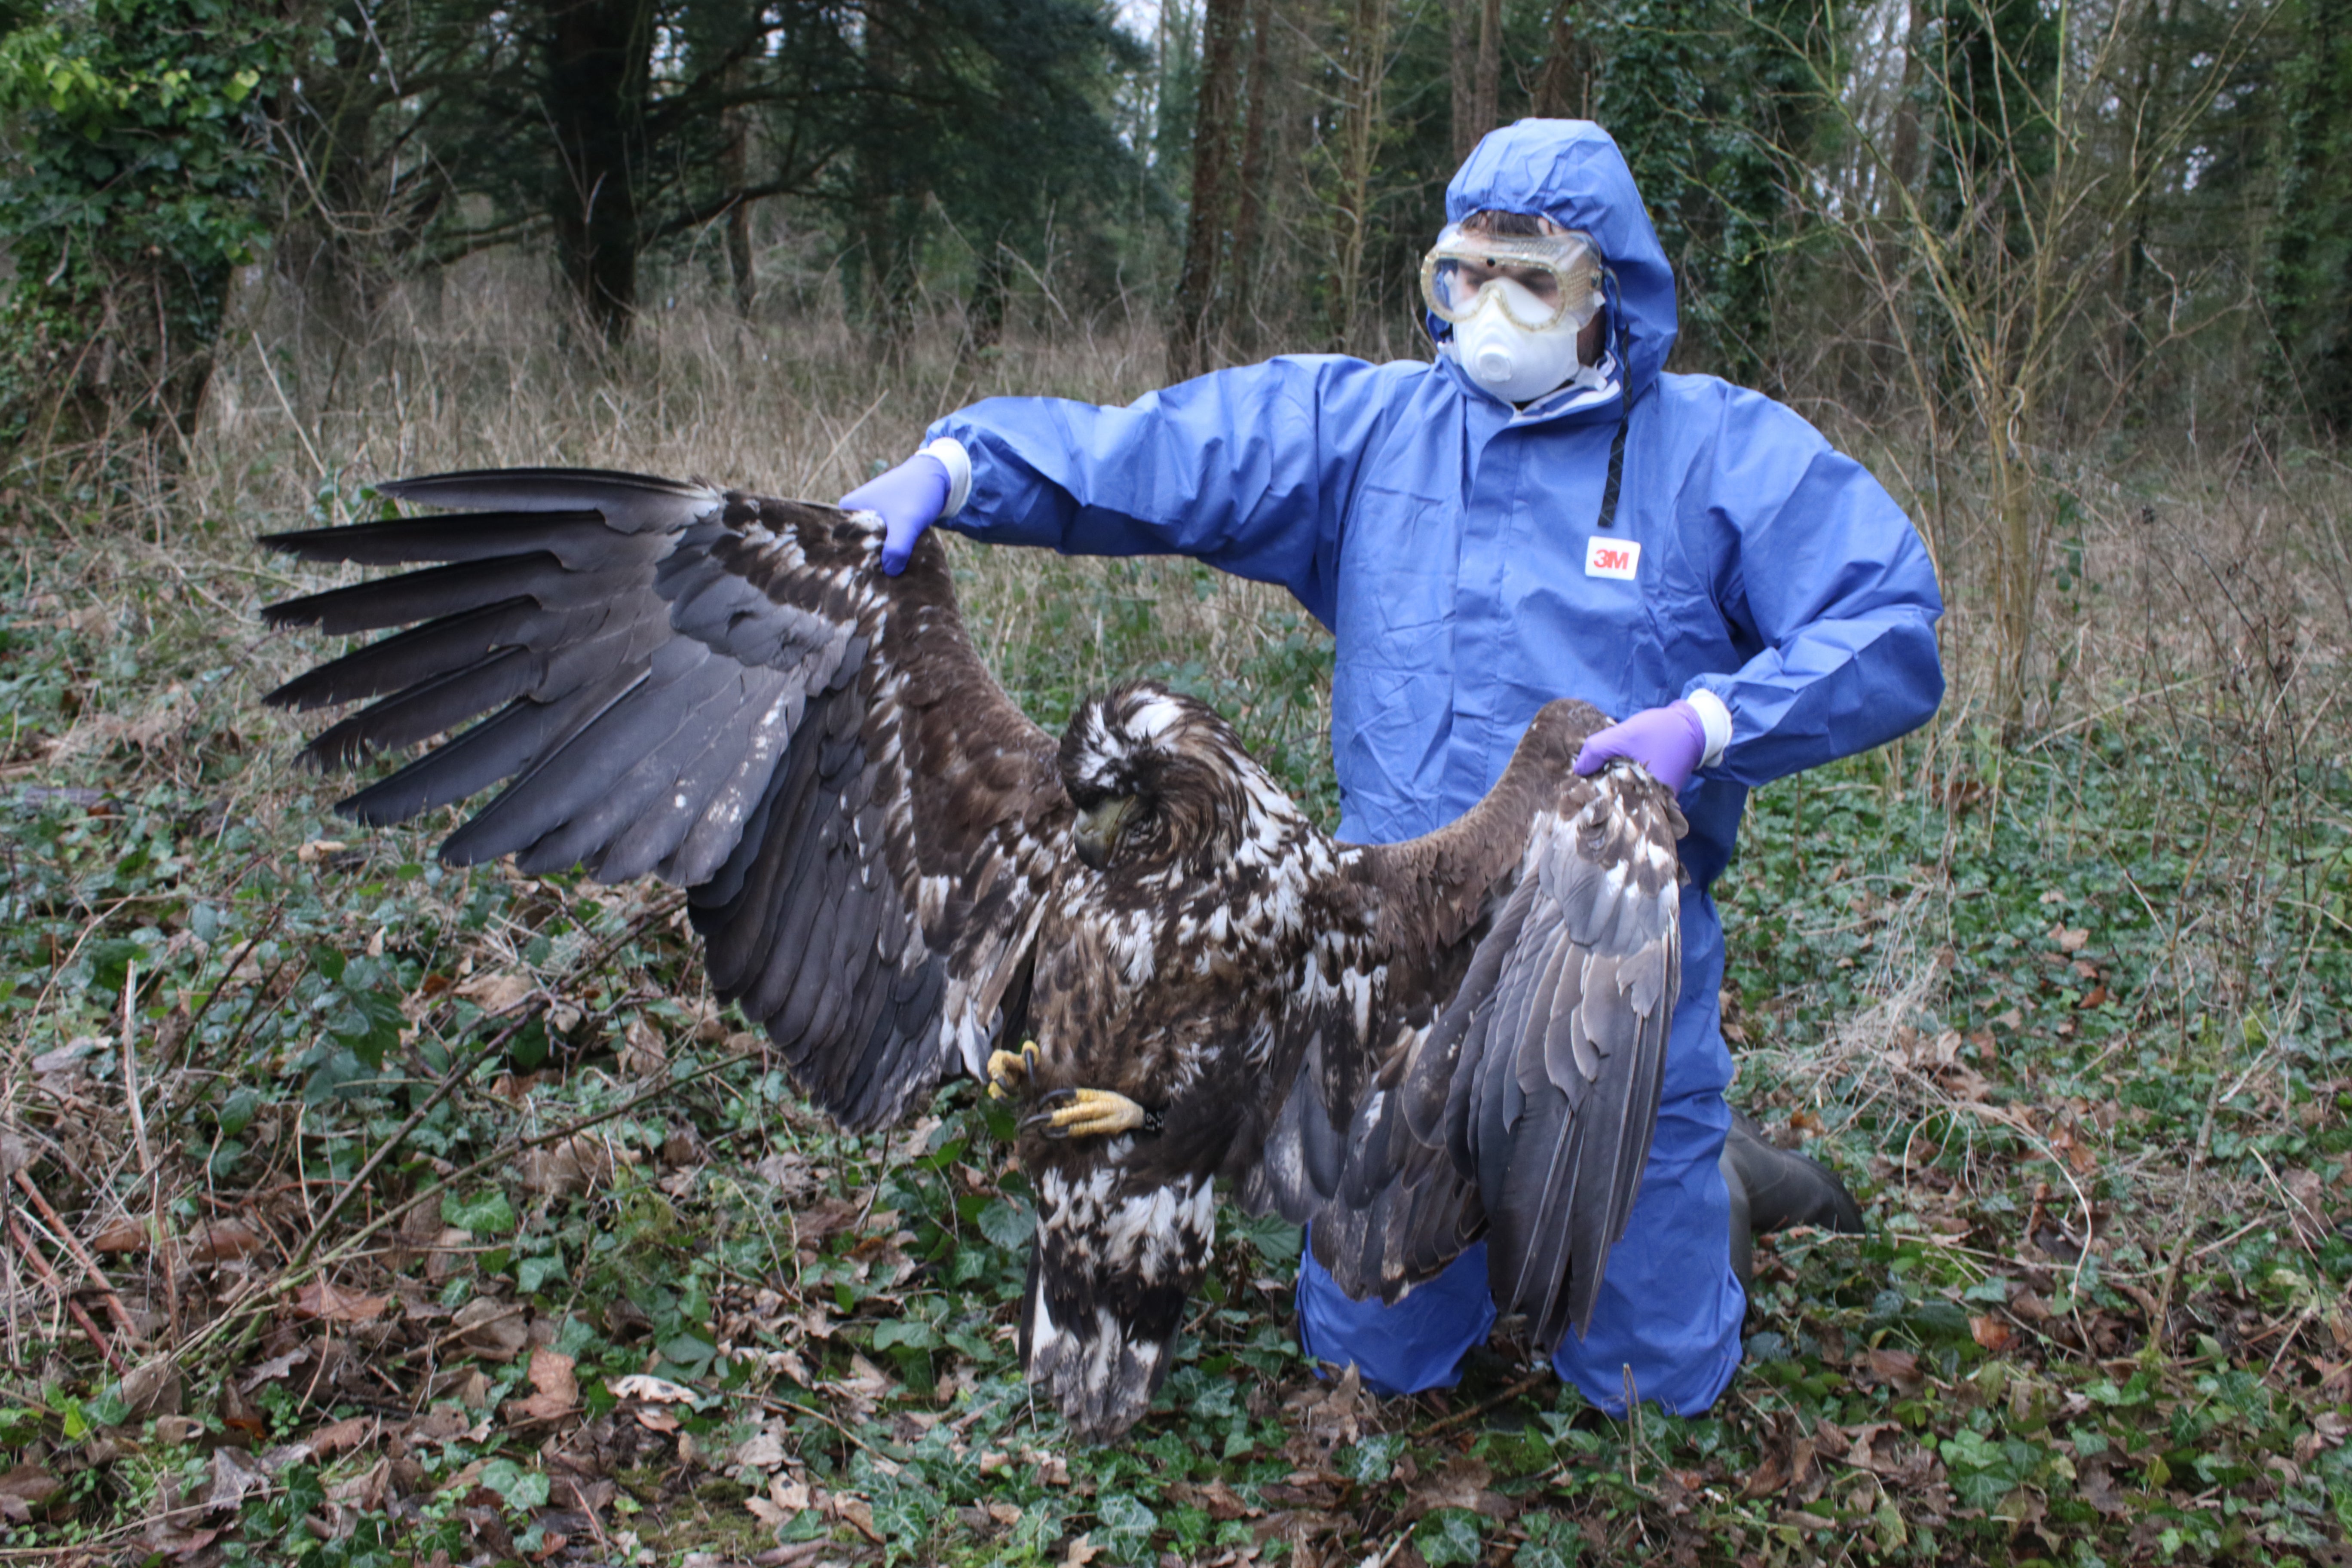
{"x":900,"y":877}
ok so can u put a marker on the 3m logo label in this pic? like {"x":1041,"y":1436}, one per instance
{"x":1606,"y":557}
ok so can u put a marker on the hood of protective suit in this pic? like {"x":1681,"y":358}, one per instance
{"x":1571,"y":172}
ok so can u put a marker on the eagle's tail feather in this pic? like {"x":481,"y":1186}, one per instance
{"x":1104,"y":1298}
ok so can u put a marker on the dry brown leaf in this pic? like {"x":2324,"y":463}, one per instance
{"x":558,"y":1389}
{"x":574,"y":1166}
{"x":340,"y":1436}
{"x":122,"y":1236}
{"x":1991,"y":1332}
{"x":2306,"y":1192}
{"x":1965,"y":1084}
{"x":1330,"y":1418}
{"x":812,"y":1225}
{"x":322,"y":1298}
{"x":865,"y":1386}
{"x":1052,"y":1469}
{"x":1900,"y":1368}
{"x":273,"y":1369}
{"x":1223,"y":1503}
{"x":493,"y":1329}
{"x":1457,"y":1485}
{"x":222,"y":1240}
{"x":366,"y":1491}
{"x":858,"y":1513}
{"x":1082,"y":1551}
{"x":25,"y":1490}
{"x":233,"y":1477}
{"x":163,"y":1535}
{"x":645,"y":1386}
{"x":761,"y":1451}
{"x":152,"y":1388}
{"x":2073,"y":940}
{"x":471,"y":1387}
{"x":795,"y":1177}
{"x":643,"y":1052}
{"x":494,"y":992}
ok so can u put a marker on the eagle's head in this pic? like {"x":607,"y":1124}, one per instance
{"x":1160,"y":780}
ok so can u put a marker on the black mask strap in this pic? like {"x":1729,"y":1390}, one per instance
{"x":1616,"y":468}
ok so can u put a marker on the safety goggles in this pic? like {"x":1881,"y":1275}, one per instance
{"x":1539,"y":280}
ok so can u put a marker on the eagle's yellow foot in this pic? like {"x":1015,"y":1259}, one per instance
{"x":1004,"y":1066}
{"x":1090,"y":1113}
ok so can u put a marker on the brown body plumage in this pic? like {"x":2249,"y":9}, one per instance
{"x":898,"y":877}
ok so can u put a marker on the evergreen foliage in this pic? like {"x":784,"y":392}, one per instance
{"x":2310,"y":286}
{"x":134,"y":178}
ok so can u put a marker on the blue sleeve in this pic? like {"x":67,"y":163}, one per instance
{"x":1249,"y":469}
{"x":1827,"y":574}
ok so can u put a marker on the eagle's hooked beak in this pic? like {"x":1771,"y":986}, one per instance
{"x":1098,"y":828}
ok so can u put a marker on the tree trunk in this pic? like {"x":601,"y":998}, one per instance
{"x":734,"y":161}
{"x":598,"y":60}
{"x":1213,"y":154}
{"x":1564,"y":90}
{"x":1903,"y":144}
{"x":1487,"y":106}
{"x":2016,"y":573}
{"x":1249,"y":200}
{"x":1366,"y":60}
{"x":1476,"y":70}
{"x":985,"y":313}
{"x":888,"y":223}
{"x":334,"y":248}
{"x":1461,"y":55}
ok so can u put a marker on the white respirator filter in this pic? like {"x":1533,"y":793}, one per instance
{"x":1509,"y":359}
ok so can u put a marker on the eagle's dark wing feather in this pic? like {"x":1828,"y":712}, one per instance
{"x":1503,"y":1081}
{"x":1549,"y":1076}
{"x":723,"y":692}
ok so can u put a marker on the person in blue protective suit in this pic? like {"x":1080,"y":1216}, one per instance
{"x":1542,"y":511}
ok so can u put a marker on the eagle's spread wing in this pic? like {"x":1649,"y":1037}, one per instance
{"x":1513,"y":1095}
{"x":723,"y":692}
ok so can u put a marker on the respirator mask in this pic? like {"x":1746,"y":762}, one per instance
{"x":1517,"y":304}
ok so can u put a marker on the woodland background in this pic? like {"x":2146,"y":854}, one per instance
{"x":343,"y":1193}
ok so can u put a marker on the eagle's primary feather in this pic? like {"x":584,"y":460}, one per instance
{"x":897,"y":874}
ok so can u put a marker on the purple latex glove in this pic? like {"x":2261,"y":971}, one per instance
{"x":908,"y":500}
{"x":1667,"y":741}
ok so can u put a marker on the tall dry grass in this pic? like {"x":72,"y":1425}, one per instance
{"x":2202,"y":606}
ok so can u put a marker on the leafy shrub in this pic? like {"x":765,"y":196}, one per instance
{"x":133,"y":178}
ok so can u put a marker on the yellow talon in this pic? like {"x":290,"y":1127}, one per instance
{"x":1003,"y":1066}
{"x":1092,"y":1113}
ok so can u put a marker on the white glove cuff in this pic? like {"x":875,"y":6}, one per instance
{"x":1716,"y":720}
{"x":958,"y":463}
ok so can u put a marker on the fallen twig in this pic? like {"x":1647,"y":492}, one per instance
{"x":1483,"y":1406}
{"x":49,"y":1278}
{"x":114,"y":1308}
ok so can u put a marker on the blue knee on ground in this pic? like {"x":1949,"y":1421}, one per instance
{"x":1418,"y":1343}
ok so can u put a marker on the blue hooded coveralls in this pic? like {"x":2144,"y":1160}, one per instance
{"x":1443,"y":536}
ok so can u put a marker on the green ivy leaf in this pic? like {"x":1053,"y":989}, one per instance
{"x":1448,"y":1536}
{"x":1008,"y":1225}
{"x":487,"y":1213}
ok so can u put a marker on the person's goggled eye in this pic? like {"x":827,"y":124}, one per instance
{"x":1537,"y":280}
